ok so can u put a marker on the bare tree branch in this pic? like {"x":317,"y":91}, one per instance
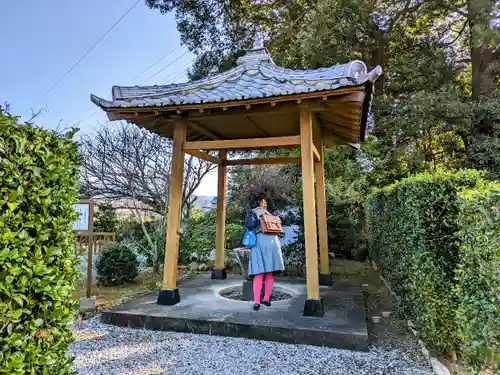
{"x":407,"y":8}
{"x":37,"y":113}
{"x":458,"y":35}
{"x":122,"y":161}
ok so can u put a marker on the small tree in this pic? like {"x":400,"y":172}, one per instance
{"x":105,"y":218}
{"x":147,"y":237}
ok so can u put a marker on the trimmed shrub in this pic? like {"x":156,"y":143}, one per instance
{"x":116,"y":264}
{"x":346,"y":237}
{"x":478,"y":276}
{"x":413,"y":225}
{"x":38,"y":174}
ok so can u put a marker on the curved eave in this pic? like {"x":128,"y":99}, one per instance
{"x":102,"y":103}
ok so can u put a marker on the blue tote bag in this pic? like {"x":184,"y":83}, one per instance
{"x":249,"y":239}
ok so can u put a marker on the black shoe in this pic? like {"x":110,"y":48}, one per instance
{"x":256,"y":307}
{"x":266,"y":303}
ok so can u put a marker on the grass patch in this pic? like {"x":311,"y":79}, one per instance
{"x":107,"y":296}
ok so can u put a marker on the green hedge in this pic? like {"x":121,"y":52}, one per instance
{"x":38,"y":172}
{"x":478,"y":276}
{"x":436,"y":239}
{"x":413,"y":225}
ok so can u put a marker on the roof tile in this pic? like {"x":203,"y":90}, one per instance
{"x":256,"y":76}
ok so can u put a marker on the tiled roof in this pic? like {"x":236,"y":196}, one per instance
{"x":255,"y":76}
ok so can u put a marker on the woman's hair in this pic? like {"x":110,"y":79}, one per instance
{"x":256,"y":197}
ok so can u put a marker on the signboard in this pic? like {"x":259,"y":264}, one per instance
{"x":83,"y":221}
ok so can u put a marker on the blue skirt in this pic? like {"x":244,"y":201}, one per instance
{"x":266,"y":255}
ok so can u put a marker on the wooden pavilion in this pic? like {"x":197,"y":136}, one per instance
{"x":255,"y":105}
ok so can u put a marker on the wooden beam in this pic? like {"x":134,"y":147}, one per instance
{"x":317,"y":132}
{"x":248,"y":143}
{"x":322,"y":224}
{"x":174,"y":208}
{"x":264,"y":109}
{"x":316,"y":153}
{"x":220,"y":238}
{"x":310,"y":233}
{"x":259,"y":110}
{"x":204,"y":156}
{"x":262,"y":161}
{"x":358,"y":96}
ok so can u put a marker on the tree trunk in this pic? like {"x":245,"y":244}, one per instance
{"x":485,"y":69}
{"x":378,"y":58}
{"x":482,"y":55}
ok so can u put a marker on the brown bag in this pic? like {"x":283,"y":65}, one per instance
{"x":270,"y":224}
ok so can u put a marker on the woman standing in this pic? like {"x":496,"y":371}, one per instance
{"x":265,"y":258}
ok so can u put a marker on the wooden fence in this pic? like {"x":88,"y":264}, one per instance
{"x":99,"y":241}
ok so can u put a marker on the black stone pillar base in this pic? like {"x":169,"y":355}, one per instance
{"x":219,"y":274}
{"x":168,"y":297}
{"x":314,"y":307}
{"x":247,"y":290}
{"x":325,"y":279}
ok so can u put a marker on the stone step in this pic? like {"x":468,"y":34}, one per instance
{"x":203,"y":310}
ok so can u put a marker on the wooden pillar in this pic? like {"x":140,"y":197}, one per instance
{"x":313,"y":305}
{"x":170,"y":294}
{"x":219,"y":271}
{"x":325,"y":277}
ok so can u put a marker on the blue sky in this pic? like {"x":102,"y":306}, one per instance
{"x":42,"y":40}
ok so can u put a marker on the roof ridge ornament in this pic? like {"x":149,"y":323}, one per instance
{"x":256,"y":55}
{"x":258,"y":43}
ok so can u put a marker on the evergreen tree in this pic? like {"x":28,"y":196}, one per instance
{"x":105,"y":218}
{"x":436,"y":106}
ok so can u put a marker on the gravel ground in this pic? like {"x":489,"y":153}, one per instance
{"x":104,"y":349}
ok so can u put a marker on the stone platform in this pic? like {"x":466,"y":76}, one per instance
{"x":203,"y":310}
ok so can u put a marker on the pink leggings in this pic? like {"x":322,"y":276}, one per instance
{"x":257,"y":286}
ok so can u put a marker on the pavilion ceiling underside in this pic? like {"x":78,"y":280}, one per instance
{"x":340,"y":120}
